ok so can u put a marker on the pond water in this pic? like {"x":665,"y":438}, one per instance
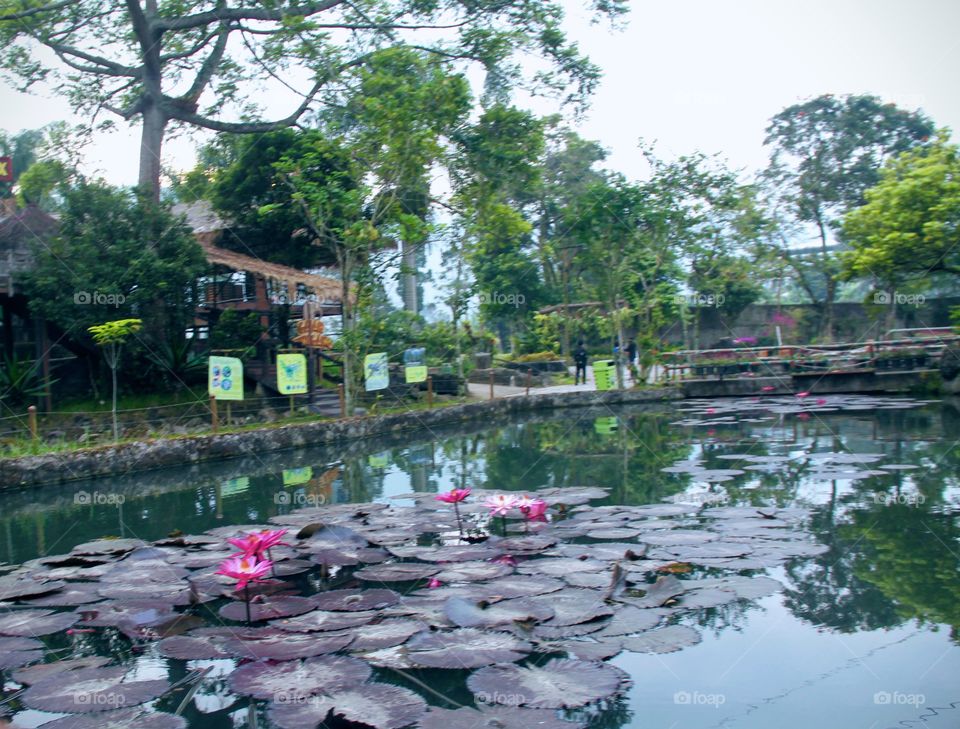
{"x":862,"y":631}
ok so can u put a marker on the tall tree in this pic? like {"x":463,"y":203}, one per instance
{"x":824,"y":154}
{"x":194,"y":63}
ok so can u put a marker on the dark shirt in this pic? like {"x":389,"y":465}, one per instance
{"x":580,"y":356}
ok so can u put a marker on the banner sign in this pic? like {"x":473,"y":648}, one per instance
{"x":415,"y":365}
{"x":297,"y":476}
{"x":291,"y":374}
{"x":6,"y":169}
{"x":234,"y":486}
{"x":376,"y":372}
{"x":225,"y":378}
{"x":604,"y":374}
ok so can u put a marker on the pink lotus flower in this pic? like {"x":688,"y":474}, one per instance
{"x":768,"y":388}
{"x":453,"y":496}
{"x":434,"y":583}
{"x":802,"y":395}
{"x":711,"y":411}
{"x":524,"y":501}
{"x":536,"y":511}
{"x":500,"y":504}
{"x":257,"y":543}
{"x":245,"y":568}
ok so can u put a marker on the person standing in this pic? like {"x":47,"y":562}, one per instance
{"x":632,"y":353}
{"x":580,"y":360}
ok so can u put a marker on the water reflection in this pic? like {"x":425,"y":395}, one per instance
{"x":892,"y":539}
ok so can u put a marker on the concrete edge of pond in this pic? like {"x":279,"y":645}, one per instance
{"x":150,"y":454}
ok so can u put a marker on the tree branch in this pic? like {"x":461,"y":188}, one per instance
{"x":226,"y":14}
{"x":104,"y":67}
{"x":36,"y":11}
{"x":184,"y":115}
{"x":209,"y":65}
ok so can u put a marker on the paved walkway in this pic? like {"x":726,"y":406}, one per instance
{"x":482,"y":391}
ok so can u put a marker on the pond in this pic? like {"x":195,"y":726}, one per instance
{"x":780,"y":562}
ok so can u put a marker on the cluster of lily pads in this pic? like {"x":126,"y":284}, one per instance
{"x":327,"y":616}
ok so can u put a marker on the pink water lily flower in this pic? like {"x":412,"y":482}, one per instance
{"x":768,"y":388}
{"x":500,"y":504}
{"x":257,"y":543}
{"x":434,"y":583}
{"x":802,"y":395}
{"x":536,"y":511}
{"x":453,"y":496}
{"x":244,"y":569}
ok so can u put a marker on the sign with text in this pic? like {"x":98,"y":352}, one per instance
{"x":225,"y":378}
{"x":291,"y":374}
{"x":376,"y":372}
{"x":415,"y":365}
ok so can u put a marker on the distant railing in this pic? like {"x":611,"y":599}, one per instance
{"x":916,"y":352}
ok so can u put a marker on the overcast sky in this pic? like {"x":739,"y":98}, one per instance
{"x":696,"y":75}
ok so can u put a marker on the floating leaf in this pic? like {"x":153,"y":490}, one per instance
{"x":498,"y":717}
{"x":376,"y":705}
{"x":397,"y":572}
{"x":203,"y":643}
{"x":468,"y":614}
{"x":278,"y":645}
{"x":324,"y":620}
{"x":473,"y":572}
{"x":385,"y":634}
{"x":558,"y":684}
{"x":91,"y":689}
{"x":32,"y":623}
{"x":121,"y":719}
{"x":355,"y":600}
{"x":572,"y":606}
{"x":663,"y":640}
{"x":34,"y":674}
{"x":291,"y":681}
{"x":267,"y":609}
{"x":465,"y":648}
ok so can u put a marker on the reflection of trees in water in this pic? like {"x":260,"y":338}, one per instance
{"x":610,"y":714}
{"x":722,"y":618}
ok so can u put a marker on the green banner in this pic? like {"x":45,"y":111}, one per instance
{"x":606,"y":426}
{"x":291,"y":374}
{"x":297,"y":476}
{"x":234,"y":486}
{"x":415,"y":373}
{"x":225,"y":378}
{"x":376,"y":372}
{"x":604,"y":374}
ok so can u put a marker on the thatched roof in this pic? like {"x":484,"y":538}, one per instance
{"x":208,"y":227}
{"x":20,"y":230}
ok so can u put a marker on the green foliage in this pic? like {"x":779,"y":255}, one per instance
{"x":21,"y":380}
{"x":44,"y":183}
{"x":115,"y":332}
{"x":116,"y":253}
{"x":236,"y":330}
{"x":907,"y":229}
{"x":177,"y":364}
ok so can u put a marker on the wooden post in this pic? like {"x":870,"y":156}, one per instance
{"x":529,"y":374}
{"x":491,"y":381}
{"x":429,"y":391}
{"x":32,"y":421}
{"x":343,"y":401}
{"x":229,"y":413}
{"x":291,"y":406}
{"x":214,"y":420}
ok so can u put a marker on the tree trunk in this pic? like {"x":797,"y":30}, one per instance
{"x":151,"y":142}
{"x":409,"y":277}
{"x":346,"y":327}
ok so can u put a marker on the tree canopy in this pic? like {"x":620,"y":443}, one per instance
{"x":202,"y":63}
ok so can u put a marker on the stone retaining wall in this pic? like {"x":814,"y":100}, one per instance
{"x":147,"y":455}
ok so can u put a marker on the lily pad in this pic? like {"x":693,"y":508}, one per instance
{"x":572,"y":606}
{"x":397,"y":572}
{"x":278,"y":645}
{"x":35,"y":674}
{"x":465,"y":648}
{"x":557,"y":684}
{"x":355,"y":600}
{"x":663,"y":640}
{"x":376,"y":705}
{"x":324,"y":620}
{"x":33,"y":623}
{"x":267,"y":609}
{"x":385,"y":634}
{"x":292,"y":681}
{"x":501,"y":717}
{"x":200,"y":644}
{"x":91,"y":689}
{"x":133,"y":718}
{"x":473,"y":572}
{"x":469,"y":614}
